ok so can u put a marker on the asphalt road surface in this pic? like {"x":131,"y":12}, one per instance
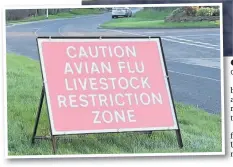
{"x":192,"y":55}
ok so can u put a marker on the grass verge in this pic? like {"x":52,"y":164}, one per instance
{"x":73,"y":13}
{"x":155,"y":19}
{"x":201,"y":131}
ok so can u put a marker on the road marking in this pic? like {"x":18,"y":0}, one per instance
{"x":196,"y":76}
{"x":187,"y":40}
{"x":38,"y":29}
{"x":35,"y":32}
{"x":10,"y":26}
{"x":59,"y":30}
{"x":201,"y":58}
{"x":151,"y":32}
{"x":179,"y":60}
{"x":180,"y":73}
{"x":124,"y":32}
{"x":197,"y":35}
{"x":155,"y":32}
{"x":167,"y":39}
{"x":171,"y":40}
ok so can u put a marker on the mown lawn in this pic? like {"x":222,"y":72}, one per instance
{"x":148,"y":18}
{"x":201,"y":131}
{"x":73,"y":13}
{"x":141,"y":23}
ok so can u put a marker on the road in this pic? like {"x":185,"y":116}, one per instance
{"x":192,"y":55}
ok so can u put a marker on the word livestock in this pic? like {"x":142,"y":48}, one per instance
{"x":106,"y":83}
{"x":99,"y":85}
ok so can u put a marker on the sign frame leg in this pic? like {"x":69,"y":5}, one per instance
{"x":178,"y":133}
{"x":34,"y":137}
{"x":179,"y":138}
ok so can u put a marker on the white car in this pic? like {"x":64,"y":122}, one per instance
{"x":121,"y":12}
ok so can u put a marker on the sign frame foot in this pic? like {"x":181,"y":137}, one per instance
{"x":54,"y":145}
{"x":34,"y":137}
{"x":179,"y":138}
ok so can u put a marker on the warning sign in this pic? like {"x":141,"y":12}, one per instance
{"x":106,"y":85}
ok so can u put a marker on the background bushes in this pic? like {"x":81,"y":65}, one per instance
{"x":205,"y":12}
{"x":184,"y":14}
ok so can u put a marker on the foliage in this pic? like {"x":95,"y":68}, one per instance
{"x":85,"y":11}
{"x":160,"y":8}
{"x":216,"y":12}
{"x":152,"y":13}
{"x":179,"y":12}
{"x":195,"y":11}
{"x":205,"y":12}
{"x":190,"y":11}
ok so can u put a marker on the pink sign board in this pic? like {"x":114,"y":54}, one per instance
{"x":106,"y":85}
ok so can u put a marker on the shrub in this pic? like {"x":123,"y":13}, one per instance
{"x":216,"y":12}
{"x":196,"y":8}
{"x":178,"y":12}
{"x":192,"y":19}
{"x":205,"y":12}
{"x":190,"y":11}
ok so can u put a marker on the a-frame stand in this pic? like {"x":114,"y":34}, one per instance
{"x":179,"y":138}
{"x":43,"y":94}
{"x":51,"y":137}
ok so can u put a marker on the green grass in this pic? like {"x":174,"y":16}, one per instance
{"x":154,"y":14}
{"x":73,"y":13}
{"x":201,"y":131}
{"x":142,"y":23}
{"x":86,"y":11}
{"x":154,"y":19}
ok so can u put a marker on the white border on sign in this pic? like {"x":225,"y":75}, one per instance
{"x":114,"y":155}
{"x":65,"y":40}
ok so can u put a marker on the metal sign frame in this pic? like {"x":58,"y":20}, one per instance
{"x":45,"y":92}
